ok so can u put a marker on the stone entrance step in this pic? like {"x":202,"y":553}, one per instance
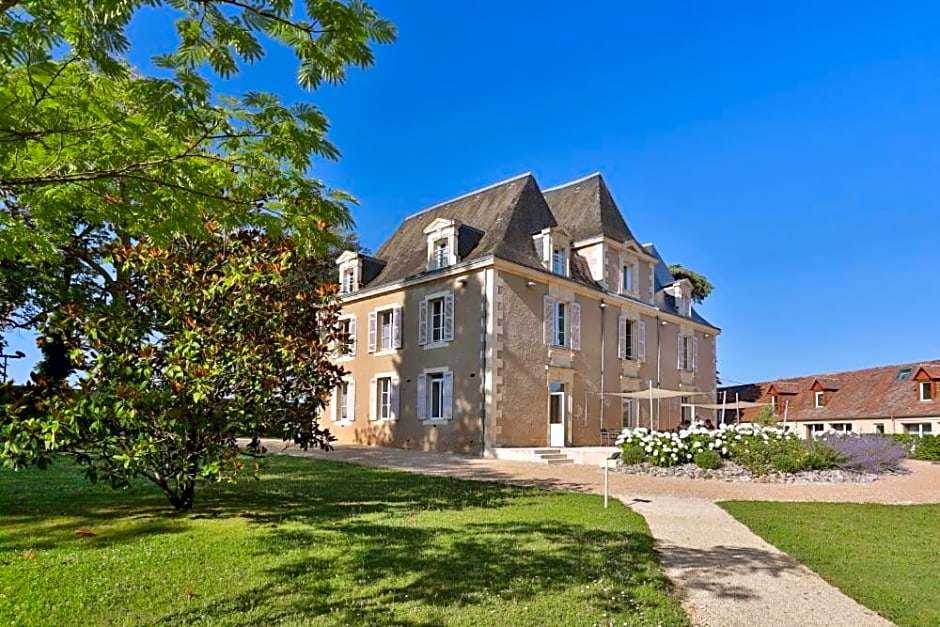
{"x":552,"y":456}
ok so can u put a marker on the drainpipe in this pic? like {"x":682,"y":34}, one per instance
{"x":486,"y":313}
{"x":603,"y":355}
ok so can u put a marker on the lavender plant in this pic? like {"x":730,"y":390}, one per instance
{"x":866,"y":453}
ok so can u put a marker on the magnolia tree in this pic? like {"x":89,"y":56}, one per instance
{"x":214,"y":340}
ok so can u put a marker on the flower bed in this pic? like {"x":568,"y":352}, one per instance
{"x":752,"y":452}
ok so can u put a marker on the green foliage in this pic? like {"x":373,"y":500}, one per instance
{"x":856,"y":548}
{"x":786,"y":454}
{"x":213,"y":340}
{"x":701,"y":287}
{"x":708,"y":459}
{"x":765,"y":417}
{"x":922,"y":447}
{"x":322,"y":543}
{"x":632,"y":454}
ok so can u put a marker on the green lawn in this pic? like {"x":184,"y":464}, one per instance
{"x":887,"y":557}
{"x":327,"y":544}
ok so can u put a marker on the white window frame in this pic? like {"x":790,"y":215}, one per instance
{"x":918,"y":428}
{"x":440,"y":254}
{"x":819,"y":400}
{"x":347,"y":402}
{"x":628,"y":413}
{"x":560,"y":260}
{"x":921,"y":387}
{"x":688,"y":353}
{"x":348,"y":280}
{"x":560,"y":335}
{"x":376,"y":345}
{"x":426,"y":320}
{"x":348,"y":351}
{"x":774,"y":403}
{"x":815,"y":429}
{"x":570,"y":327}
{"x":378,"y":400}
{"x":629,"y":277}
{"x":841,"y":427}
{"x":425,"y":391}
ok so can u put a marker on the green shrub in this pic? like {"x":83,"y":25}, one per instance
{"x":708,"y":459}
{"x":632,"y":454}
{"x":923,"y":447}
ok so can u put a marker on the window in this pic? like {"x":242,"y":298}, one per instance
{"x":773,"y":403}
{"x":436,"y":319}
{"x":348,"y":283}
{"x":688,"y":352}
{"x":562,"y":324}
{"x":436,"y":307}
{"x":684,"y":306}
{"x":435,"y":394}
{"x":385,"y":329}
{"x":903,"y":374}
{"x":632,"y":343}
{"x":815,"y":429}
{"x":559,"y":261}
{"x":384,"y":409}
{"x":879,"y":427}
{"x":436,"y":398}
{"x":629,"y":278}
{"x":343,"y":401}
{"x":820,"y":400}
{"x":561,"y":318}
{"x":919,"y":428}
{"x":687,"y":411}
{"x":441,"y":257}
{"x":926,"y":391}
{"x":346,"y":337}
{"x":628,"y":419}
{"x":841,"y":427}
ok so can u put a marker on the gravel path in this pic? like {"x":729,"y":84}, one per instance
{"x":725,"y":575}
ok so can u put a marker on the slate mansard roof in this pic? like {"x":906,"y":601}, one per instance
{"x":500,"y":221}
{"x":880,"y":392}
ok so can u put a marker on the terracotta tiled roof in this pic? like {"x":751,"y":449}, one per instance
{"x":932,"y":370}
{"x":869,"y":393}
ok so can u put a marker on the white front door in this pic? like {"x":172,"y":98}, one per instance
{"x":556,"y":415}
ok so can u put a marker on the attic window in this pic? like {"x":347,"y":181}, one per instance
{"x":348,"y":281}
{"x":441,"y":253}
{"x":560,"y":261}
{"x":903,"y":374}
{"x":820,"y":399}
{"x":926,"y":391}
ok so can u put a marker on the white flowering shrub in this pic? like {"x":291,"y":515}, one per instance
{"x":662,"y":448}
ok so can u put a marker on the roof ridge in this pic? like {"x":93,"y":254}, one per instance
{"x":469,"y":194}
{"x":824,"y":375}
{"x":575,"y":182}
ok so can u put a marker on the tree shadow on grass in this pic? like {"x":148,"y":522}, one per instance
{"x":447,"y":568}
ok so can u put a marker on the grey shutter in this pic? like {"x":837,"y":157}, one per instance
{"x":679,"y":356}
{"x":619,"y":289}
{"x":351,"y":349}
{"x":423,"y":322}
{"x":640,"y":341}
{"x":422,"y":396}
{"x":448,"y":395}
{"x":373,"y":399}
{"x":548,"y":320}
{"x":575,"y":326}
{"x":449,"y":317}
{"x":621,"y":336}
{"x":393,"y":400}
{"x":372,"y":323}
{"x":652,"y":283}
{"x":538,"y":241}
{"x":694,"y":353}
{"x":351,"y":400}
{"x":396,"y":327}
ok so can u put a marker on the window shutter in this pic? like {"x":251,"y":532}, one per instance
{"x":423,"y":322}
{"x":351,"y":400}
{"x":393,"y":400}
{"x":619,"y":289}
{"x":351,"y":350}
{"x":332,"y":405}
{"x":548,"y":320}
{"x":539,"y":241}
{"x":373,"y":399}
{"x":695,"y":353}
{"x":640,"y":341}
{"x":652,"y":283}
{"x":372,"y":323}
{"x":621,"y":336}
{"x":396,"y":327}
{"x":575,"y":326}
{"x":605,"y":263}
{"x":449,"y":317}
{"x":635,"y":269}
{"x":448,"y":395}
{"x":422,"y":396}
{"x":679,"y":357}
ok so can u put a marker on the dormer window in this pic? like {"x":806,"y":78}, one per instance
{"x":820,"y":400}
{"x":441,"y":253}
{"x":553,"y":248}
{"x":442,"y":243}
{"x":629,"y":277}
{"x":348,"y":282}
{"x":560,"y":261}
{"x":926,"y":390}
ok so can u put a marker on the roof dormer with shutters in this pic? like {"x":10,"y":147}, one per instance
{"x":681,"y":290}
{"x":356,"y":270}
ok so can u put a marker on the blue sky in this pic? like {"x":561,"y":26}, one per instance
{"x":789,"y":153}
